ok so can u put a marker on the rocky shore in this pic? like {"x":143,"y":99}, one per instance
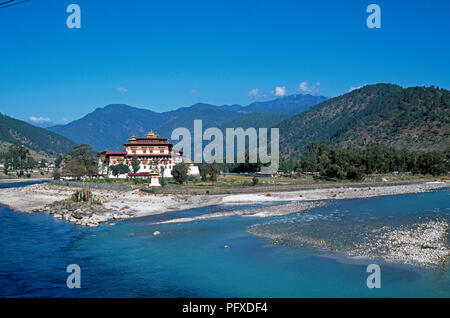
{"x":423,"y":244}
{"x":114,"y":205}
{"x":85,"y":214}
{"x":117,"y":205}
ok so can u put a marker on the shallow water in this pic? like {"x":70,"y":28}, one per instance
{"x":188,"y":259}
{"x":21,"y":183}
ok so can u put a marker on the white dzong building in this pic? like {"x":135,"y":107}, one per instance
{"x":154,"y":153}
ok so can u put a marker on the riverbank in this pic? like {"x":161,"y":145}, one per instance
{"x":117,"y":205}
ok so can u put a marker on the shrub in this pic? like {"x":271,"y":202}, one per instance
{"x":56,"y":175}
{"x":355,"y":173}
{"x":255,"y":181}
{"x":246,"y":183}
{"x":81,"y":196}
{"x":335,"y":171}
{"x":137,"y":181}
{"x":193,"y":179}
{"x":179,"y":173}
{"x":107,"y":180}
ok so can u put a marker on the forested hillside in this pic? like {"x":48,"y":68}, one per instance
{"x":415,"y":118}
{"x":42,"y":141}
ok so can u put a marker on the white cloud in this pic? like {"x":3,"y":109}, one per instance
{"x":194,"y":92}
{"x":280,"y":91}
{"x":39,"y":120}
{"x":122,"y":90}
{"x":254,"y":93}
{"x":65,"y":119}
{"x":305,"y":88}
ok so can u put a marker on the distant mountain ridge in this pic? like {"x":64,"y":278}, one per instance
{"x":109,"y":127}
{"x":414,"y":118}
{"x":289,"y":105}
{"x":40,"y":140}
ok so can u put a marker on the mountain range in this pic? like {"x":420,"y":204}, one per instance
{"x":416,"y":118}
{"x":109,"y":127}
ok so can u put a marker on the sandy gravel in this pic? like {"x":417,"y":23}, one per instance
{"x":136,"y":203}
{"x":335,"y":193}
{"x":36,"y":197}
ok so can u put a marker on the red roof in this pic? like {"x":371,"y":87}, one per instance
{"x":152,"y":138}
{"x":117,"y":153}
{"x":150,"y":155}
{"x":139,"y":174}
{"x":148,"y":143}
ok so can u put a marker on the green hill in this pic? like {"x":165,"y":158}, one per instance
{"x":413,"y":118}
{"x":42,"y":141}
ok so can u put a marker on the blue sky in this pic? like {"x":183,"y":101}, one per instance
{"x":163,"y":55}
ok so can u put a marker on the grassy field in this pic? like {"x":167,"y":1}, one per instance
{"x":243,"y":184}
{"x":32,"y":175}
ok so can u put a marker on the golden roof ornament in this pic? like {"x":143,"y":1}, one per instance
{"x":151,"y":134}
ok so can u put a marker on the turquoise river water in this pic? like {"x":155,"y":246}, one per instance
{"x":188,"y":259}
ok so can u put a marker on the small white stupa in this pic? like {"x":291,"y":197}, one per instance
{"x":154,"y":179}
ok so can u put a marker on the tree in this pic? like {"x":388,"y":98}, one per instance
{"x":204,"y":171}
{"x":180,"y":172}
{"x":214,"y":171}
{"x":209,"y":169}
{"x":119,"y":169}
{"x":335,"y":171}
{"x":76,"y":168}
{"x":17,"y":157}
{"x":355,"y":173}
{"x":162,"y":180}
{"x":42,"y":163}
{"x":85,"y":156}
{"x":135,"y":164}
{"x":58,"y":161}
{"x":56,"y":174}
{"x":246,"y":166}
{"x":30,"y":163}
{"x":317,"y":158}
